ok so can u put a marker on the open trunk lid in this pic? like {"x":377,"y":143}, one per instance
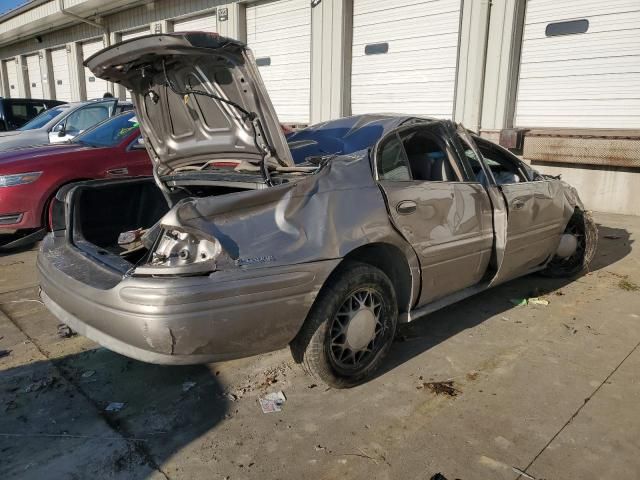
{"x":231,"y":118}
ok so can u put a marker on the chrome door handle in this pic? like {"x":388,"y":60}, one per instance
{"x":406,"y":207}
{"x":517,"y":204}
{"x":118,"y":171}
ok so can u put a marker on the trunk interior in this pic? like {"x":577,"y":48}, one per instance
{"x":101,"y":213}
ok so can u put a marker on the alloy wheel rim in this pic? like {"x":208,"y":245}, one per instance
{"x":357,"y":329}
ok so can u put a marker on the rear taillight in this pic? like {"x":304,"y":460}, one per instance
{"x":57,"y":220}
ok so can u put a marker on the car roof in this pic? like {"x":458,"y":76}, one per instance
{"x":345,"y":135}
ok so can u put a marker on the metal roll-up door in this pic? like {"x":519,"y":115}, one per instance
{"x":95,"y":87}
{"x":580,"y":65}
{"x":201,"y":23}
{"x":61,"y":76}
{"x":404,"y":56}
{"x":35,"y":77}
{"x":279,"y":33}
{"x":12,"y":77}
{"x":128,"y":36}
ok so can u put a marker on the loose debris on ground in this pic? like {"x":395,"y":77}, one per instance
{"x":522,"y":302}
{"x":64,"y":331}
{"x":114,"y":407}
{"x":441,"y":388}
{"x":628,"y":285}
{"x":272,"y":402}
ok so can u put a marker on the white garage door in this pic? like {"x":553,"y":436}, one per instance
{"x":12,"y":77}
{"x":580,"y":65}
{"x":201,"y":23}
{"x":279,"y":33}
{"x":404,"y":56}
{"x":128,"y":36}
{"x":61,"y":77}
{"x":95,"y":87}
{"x":35,"y":77}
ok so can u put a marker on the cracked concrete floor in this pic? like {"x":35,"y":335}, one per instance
{"x":551,"y":391}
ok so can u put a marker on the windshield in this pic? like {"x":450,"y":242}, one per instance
{"x":42,"y":119}
{"x":110,"y":132}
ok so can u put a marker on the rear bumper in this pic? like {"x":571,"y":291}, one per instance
{"x":218,"y":317}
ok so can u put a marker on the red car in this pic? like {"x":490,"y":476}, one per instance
{"x":30,"y":177}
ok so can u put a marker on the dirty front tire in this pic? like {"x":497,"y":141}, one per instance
{"x":584,"y":228}
{"x":350,"y":327}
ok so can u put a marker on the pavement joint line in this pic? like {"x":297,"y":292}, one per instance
{"x":577,"y":412}
{"x":142,"y":449}
{"x":18,"y":290}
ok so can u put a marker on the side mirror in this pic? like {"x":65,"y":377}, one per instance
{"x":139,"y":143}
{"x":60,"y":130}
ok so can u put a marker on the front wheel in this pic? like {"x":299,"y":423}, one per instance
{"x":585,"y":231}
{"x":350,"y":327}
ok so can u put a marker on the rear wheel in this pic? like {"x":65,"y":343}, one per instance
{"x":583,"y":228}
{"x":350,"y":327}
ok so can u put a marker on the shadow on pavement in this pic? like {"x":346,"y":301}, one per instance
{"x":419,"y":336}
{"x":54,"y":422}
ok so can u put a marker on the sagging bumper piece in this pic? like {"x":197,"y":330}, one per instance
{"x":174,"y":321}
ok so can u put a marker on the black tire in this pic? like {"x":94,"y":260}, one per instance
{"x":317,"y":347}
{"x":584,"y":228}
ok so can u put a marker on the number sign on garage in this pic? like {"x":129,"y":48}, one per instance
{"x":95,"y":87}
{"x":580,"y":65}
{"x":279,"y":33}
{"x":404,"y":56}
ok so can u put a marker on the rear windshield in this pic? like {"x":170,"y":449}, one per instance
{"x":44,"y":118}
{"x":110,"y":132}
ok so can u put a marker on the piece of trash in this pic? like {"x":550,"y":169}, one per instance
{"x":438,"y":476}
{"x":5,"y":353}
{"x":522,"y":473}
{"x":519,"y":302}
{"x":272,"y":402}
{"x":612,"y":237}
{"x":88,"y":373}
{"x":64,"y":331}
{"x":114,"y":407}
{"x":313,"y":385}
{"x":538,"y":301}
{"x":523,"y":302}
{"x":186,"y":386}
{"x":441,"y":388}
{"x":40,"y":385}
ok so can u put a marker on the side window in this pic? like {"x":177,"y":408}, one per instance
{"x":392,"y":161}
{"x":18,"y":114}
{"x":86,"y":117}
{"x":428,"y":156}
{"x":506,"y":170}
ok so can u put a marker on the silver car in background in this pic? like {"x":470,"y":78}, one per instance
{"x":62,"y":123}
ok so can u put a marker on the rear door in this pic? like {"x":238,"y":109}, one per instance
{"x":442,"y":213}
{"x":529,"y":212}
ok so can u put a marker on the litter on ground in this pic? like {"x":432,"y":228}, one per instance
{"x":272,"y":402}
{"x":114,"y":407}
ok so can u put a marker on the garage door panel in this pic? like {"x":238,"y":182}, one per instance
{"x":12,"y":78}
{"x":417,"y":73}
{"x":61,"y":76}
{"x":35,"y":76}
{"x":281,"y":31}
{"x":551,"y":10}
{"x":587,"y":80}
{"x":424,"y":15}
{"x":572,"y":48}
{"x":95,"y":87}
{"x":200,"y":23}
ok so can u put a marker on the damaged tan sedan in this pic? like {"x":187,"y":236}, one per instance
{"x":246,"y":241}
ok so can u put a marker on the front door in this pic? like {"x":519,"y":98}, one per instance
{"x":443,"y":215}
{"x":530,"y":231}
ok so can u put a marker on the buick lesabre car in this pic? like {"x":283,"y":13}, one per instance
{"x":245,"y":242}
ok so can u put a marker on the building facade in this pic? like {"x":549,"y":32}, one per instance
{"x":557,"y":81}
